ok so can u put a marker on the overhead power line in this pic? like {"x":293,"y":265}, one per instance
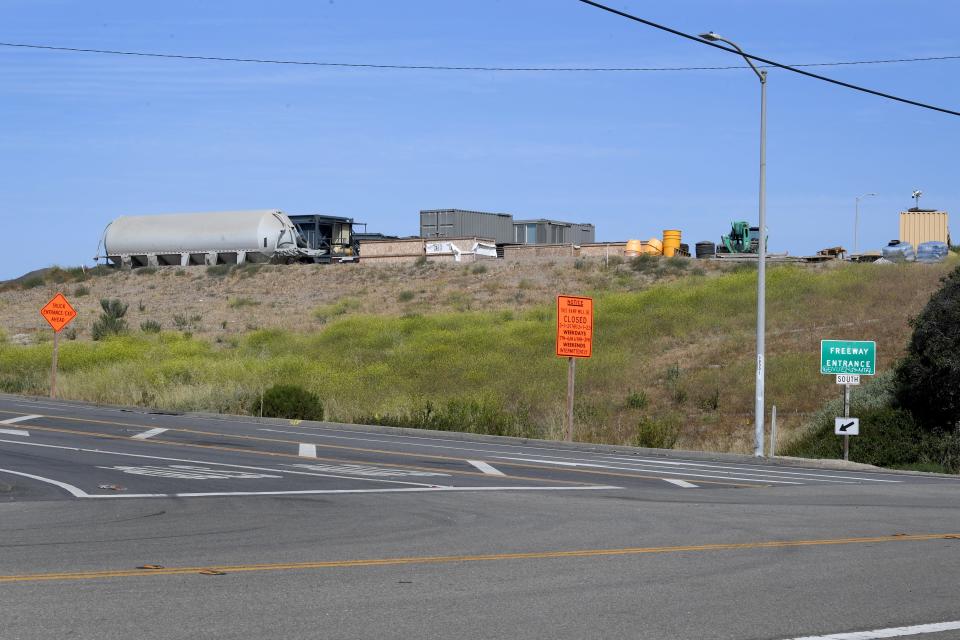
{"x":765,"y":61}
{"x":439,"y":67}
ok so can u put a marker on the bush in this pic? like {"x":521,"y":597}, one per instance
{"x":150,"y":326}
{"x":477,"y":269}
{"x":928,"y":378}
{"x":145,"y":271}
{"x":637,"y":400}
{"x":643,"y":263}
{"x":81,"y":291}
{"x":237,"y":303}
{"x":657,"y":433}
{"x":110,"y":322}
{"x":288,"y":401}
{"x":219,"y":270}
{"x":405,"y":296}
{"x":32,"y":282}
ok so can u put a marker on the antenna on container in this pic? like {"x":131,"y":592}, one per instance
{"x":916,"y":198}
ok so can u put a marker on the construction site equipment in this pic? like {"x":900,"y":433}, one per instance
{"x":653,"y":247}
{"x":924,"y":225}
{"x":225,"y":237}
{"x":742,"y":238}
{"x":671,"y":241}
{"x":633,"y":248}
{"x":706,"y":249}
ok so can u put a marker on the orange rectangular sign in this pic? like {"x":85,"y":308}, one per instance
{"x":574,"y":327}
{"x":58,"y":312}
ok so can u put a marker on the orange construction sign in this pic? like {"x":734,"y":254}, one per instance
{"x":58,"y":312}
{"x":574,"y":327}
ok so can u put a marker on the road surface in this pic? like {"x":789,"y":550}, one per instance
{"x":130,"y":524}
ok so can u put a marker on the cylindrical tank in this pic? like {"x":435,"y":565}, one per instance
{"x":671,"y":241}
{"x":633,"y":248}
{"x":263,"y":231}
{"x":653,"y":247}
{"x":706,"y":249}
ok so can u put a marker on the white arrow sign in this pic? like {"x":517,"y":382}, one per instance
{"x":846,"y":426}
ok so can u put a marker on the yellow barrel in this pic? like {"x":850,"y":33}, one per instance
{"x":671,"y":241}
{"x":653,"y":247}
{"x":633,"y":248}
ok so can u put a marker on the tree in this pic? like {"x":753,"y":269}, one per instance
{"x":927,"y":380}
{"x":110,"y":322}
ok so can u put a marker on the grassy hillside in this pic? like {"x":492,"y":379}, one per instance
{"x":673,"y":358}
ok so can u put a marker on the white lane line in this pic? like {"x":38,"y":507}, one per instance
{"x":713,"y":476}
{"x":308,"y":450}
{"x":806,"y":473}
{"x":149,"y":434}
{"x":595,"y":487}
{"x":681,"y":483}
{"x":74,"y":491}
{"x":487,"y":469}
{"x":801,"y":471}
{"x":18,"y":419}
{"x":222,"y":464}
{"x":14,"y":432}
{"x":892,"y":632}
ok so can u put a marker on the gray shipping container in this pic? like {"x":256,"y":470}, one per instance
{"x":542,"y":231}
{"x":453,"y":223}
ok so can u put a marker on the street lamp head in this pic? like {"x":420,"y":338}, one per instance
{"x":710,"y":36}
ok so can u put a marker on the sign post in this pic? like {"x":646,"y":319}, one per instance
{"x":58,"y":313}
{"x":848,"y":360}
{"x":574,"y":340}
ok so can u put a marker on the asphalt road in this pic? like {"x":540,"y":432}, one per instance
{"x":128,"y":524}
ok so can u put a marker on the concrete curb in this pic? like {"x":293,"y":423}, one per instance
{"x":699,"y":456}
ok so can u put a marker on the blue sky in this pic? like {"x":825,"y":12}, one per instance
{"x":88,"y":137}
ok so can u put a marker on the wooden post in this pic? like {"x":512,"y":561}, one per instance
{"x":53,"y":366}
{"x":571,"y":371}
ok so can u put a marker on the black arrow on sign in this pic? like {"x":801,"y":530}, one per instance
{"x":844,"y":427}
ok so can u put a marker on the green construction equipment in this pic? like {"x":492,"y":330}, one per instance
{"x":742,"y":238}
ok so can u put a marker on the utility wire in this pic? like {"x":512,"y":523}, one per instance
{"x":435,"y":67}
{"x":772,"y":63}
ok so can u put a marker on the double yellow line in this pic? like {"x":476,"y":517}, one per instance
{"x":422,"y":560}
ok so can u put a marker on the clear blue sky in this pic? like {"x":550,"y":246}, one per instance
{"x":88,"y":137}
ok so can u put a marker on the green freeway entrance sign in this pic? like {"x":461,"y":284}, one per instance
{"x":848,"y":356}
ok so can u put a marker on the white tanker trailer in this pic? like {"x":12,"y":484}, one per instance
{"x":223,"y":237}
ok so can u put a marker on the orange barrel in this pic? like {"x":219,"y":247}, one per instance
{"x":653,"y":247}
{"x":633,"y":248}
{"x":671,"y":241}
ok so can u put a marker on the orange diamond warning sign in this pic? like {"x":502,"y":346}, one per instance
{"x":574,"y":327}
{"x":58,"y":312}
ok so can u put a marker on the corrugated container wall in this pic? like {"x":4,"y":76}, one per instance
{"x":458,"y":223}
{"x":923,"y":226}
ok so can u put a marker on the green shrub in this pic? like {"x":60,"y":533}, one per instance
{"x":32,"y":282}
{"x":477,"y":269}
{"x":405,"y":296}
{"x":110,"y":322}
{"x":81,"y":291}
{"x":145,"y":271}
{"x":657,"y":433}
{"x":219,"y":270}
{"x":238,"y":303}
{"x":483,"y":414}
{"x":928,"y":377}
{"x":637,"y":400}
{"x":644,"y":263}
{"x":287,"y":401}
{"x":421,"y":261}
{"x":150,"y":326}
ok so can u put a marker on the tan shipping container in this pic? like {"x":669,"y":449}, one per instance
{"x":923,"y":226}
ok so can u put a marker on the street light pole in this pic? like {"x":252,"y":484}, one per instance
{"x":856,"y":217}
{"x":759,"y":410}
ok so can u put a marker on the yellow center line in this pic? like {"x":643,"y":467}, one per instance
{"x":420,"y":560}
{"x":367,"y":450}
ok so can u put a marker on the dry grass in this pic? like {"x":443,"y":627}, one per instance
{"x":484,"y":339}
